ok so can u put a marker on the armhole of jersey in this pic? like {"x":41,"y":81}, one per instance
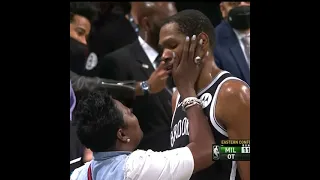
{"x":212,"y":82}
{"x":175,"y":109}
{"x":213,"y":119}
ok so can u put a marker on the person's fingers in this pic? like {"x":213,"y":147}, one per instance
{"x":164,"y":73}
{"x":198,"y":49}
{"x":165,"y":77}
{"x":192,"y":49}
{"x":175,"y":61}
{"x":161,"y":66}
{"x":201,"y":64}
{"x":169,"y":64}
{"x":185,"y":51}
{"x":168,"y":72}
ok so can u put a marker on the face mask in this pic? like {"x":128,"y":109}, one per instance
{"x":239,"y":17}
{"x":78,"y":56}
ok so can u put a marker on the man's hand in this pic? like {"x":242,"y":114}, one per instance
{"x":158,"y":79}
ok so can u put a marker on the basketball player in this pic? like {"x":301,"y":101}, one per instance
{"x":226,"y":99}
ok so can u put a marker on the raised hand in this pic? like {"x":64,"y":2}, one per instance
{"x":158,"y":79}
{"x":186,"y":69}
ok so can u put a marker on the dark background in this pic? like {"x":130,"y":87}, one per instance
{"x":210,"y":9}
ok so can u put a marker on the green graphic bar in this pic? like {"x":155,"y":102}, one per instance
{"x":235,"y":157}
{"x":230,"y":149}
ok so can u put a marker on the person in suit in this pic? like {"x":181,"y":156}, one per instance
{"x":111,"y":23}
{"x":138,"y":61}
{"x":232,"y":51}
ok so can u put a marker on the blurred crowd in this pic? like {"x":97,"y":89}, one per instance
{"x":115,"y":46}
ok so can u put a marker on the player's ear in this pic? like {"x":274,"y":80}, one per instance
{"x":205,"y":42}
{"x":121,"y":135}
{"x":144,"y":23}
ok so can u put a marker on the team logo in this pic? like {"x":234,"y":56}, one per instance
{"x":206,"y":99}
{"x":215,"y":152}
{"x":92,"y":61}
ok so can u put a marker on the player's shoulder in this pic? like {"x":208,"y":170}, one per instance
{"x":234,"y":89}
{"x":233,"y":95}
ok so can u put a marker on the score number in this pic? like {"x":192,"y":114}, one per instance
{"x":245,"y":149}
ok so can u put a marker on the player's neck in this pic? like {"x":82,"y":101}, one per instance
{"x":209,"y":72}
{"x":123,"y":147}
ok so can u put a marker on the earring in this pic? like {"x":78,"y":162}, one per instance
{"x":207,"y":54}
{"x":128,"y":140}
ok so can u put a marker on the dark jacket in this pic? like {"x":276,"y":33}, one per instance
{"x":154,"y":111}
{"x":228,"y":53}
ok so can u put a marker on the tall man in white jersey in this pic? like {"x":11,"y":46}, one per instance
{"x":226,"y":99}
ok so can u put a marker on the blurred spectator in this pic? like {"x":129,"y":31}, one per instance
{"x":138,"y":61}
{"x":81,"y":16}
{"x":132,"y":17}
{"x":112,"y":30}
{"x":232,"y":51}
{"x":209,"y":8}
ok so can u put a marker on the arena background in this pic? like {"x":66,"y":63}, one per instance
{"x":210,"y":9}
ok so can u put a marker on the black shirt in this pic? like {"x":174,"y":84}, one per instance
{"x":179,"y":137}
{"x":112,"y":32}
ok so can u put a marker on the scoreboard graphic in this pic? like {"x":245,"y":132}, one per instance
{"x":234,"y":150}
